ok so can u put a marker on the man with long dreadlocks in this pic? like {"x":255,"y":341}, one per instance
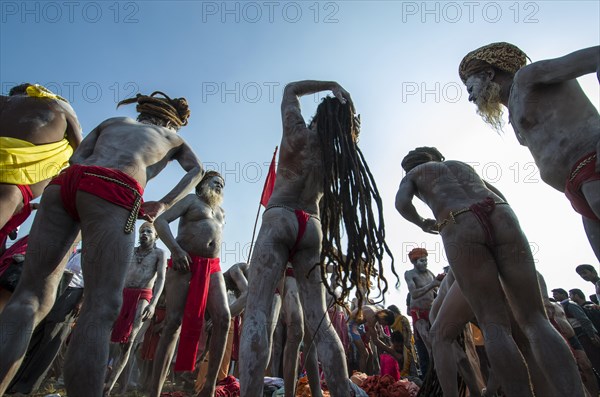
{"x":485,"y":245}
{"x":40,"y":131}
{"x":549,"y":113}
{"x":195,"y":283}
{"x":317,"y":163}
{"x":100,"y":194}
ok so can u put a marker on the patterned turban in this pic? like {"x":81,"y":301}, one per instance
{"x":417,"y":253}
{"x":503,"y":56}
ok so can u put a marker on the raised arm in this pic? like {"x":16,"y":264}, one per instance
{"x":290,"y":104}
{"x":405,"y":207}
{"x":181,"y":259}
{"x":188,"y":160}
{"x":561,"y":69}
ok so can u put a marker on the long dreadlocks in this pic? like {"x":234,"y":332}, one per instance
{"x":172,"y":112}
{"x":349,"y":192}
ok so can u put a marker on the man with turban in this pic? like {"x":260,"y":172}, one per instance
{"x":489,"y":256}
{"x":40,"y":131}
{"x":422,"y":286}
{"x":549,"y":113}
{"x":99,"y":195}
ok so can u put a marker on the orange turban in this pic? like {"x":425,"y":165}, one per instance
{"x":417,"y":253}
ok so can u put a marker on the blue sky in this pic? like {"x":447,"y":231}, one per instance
{"x":231,"y":60}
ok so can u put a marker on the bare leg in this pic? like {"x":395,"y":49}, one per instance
{"x":312,"y":295}
{"x":11,"y":200}
{"x":548,"y":348}
{"x":267,"y":267}
{"x":311,"y":364}
{"x":477,"y":275}
{"x":219,"y":313}
{"x":275,"y":367}
{"x":51,"y":237}
{"x":107,"y":252}
{"x":591,"y":191}
{"x":125,"y":348}
{"x":450,"y":321}
{"x":176,"y":288}
{"x":292,"y":310}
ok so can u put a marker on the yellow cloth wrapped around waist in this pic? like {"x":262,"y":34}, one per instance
{"x":23,"y":163}
{"x":39,"y":91}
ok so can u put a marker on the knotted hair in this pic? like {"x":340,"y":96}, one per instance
{"x":349,"y":194}
{"x":172,"y":111}
{"x":503,"y":56}
{"x":421,"y":155}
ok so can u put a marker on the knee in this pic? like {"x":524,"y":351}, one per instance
{"x":107,"y":309}
{"x":221,"y":321}
{"x":295,"y":333}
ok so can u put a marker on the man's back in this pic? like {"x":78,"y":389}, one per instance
{"x":556,"y":121}
{"x":299,"y":182}
{"x":448,"y":186}
{"x":138,"y":149}
{"x":36,"y":120}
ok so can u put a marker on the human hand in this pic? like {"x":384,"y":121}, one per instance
{"x":34,"y":206}
{"x":181,"y":260}
{"x":440,"y":276}
{"x":148,"y":312}
{"x":342,"y":95}
{"x":429,"y":226}
{"x":150,"y":210}
{"x":595,"y":340}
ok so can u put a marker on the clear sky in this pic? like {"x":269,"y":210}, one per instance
{"x":231,"y":60}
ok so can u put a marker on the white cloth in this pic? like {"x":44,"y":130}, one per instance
{"x":74,"y":266}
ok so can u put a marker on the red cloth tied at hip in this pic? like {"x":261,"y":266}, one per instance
{"x":17,"y":219}
{"x":19,"y":247}
{"x":114,"y":186}
{"x":193,"y":314}
{"x":481,"y":211}
{"x":583,"y":171}
{"x":124,"y":324}
{"x":302,"y":217}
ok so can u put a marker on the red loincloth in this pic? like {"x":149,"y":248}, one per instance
{"x":302,"y":217}
{"x":289,"y":272}
{"x":193,"y":315}
{"x":124,"y":324}
{"x":114,"y":186}
{"x":17,"y":219}
{"x":151,"y":338}
{"x":587,"y":173}
{"x":237,"y":330}
{"x":481,"y":211}
{"x":419,"y":314}
{"x":19,"y":247}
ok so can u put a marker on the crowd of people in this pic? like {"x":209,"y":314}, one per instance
{"x":80,"y":302}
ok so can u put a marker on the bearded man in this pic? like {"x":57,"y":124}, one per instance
{"x":143,"y":285}
{"x":100,"y":193}
{"x":422,"y":286}
{"x":194,"y":283}
{"x":549,"y":113}
{"x":489,"y":256}
{"x":40,"y":131}
{"x":317,"y":163}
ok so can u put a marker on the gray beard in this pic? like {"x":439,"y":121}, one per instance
{"x":210,"y":197}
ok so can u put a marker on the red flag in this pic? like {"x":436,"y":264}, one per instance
{"x":269,"y":182}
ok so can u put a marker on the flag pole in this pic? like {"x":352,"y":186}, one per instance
{"x":259,"y":204}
